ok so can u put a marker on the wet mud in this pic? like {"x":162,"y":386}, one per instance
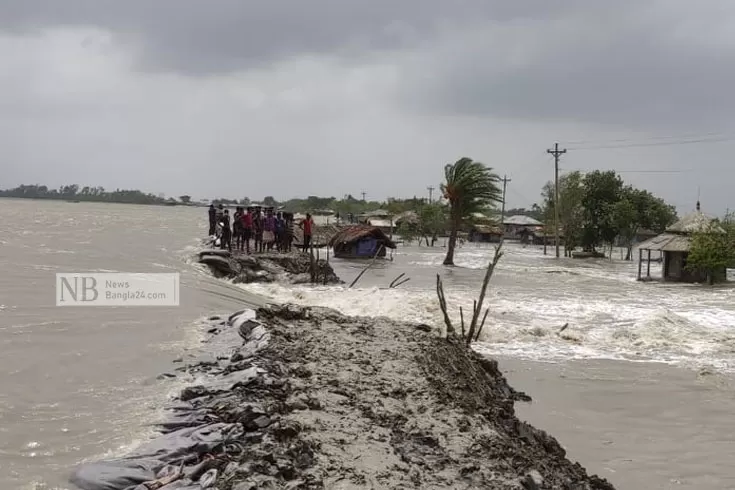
{"x":291,"y":268}
{"x":312,"y":399}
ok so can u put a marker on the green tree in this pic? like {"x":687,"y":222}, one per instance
{"x":433,"y":220}
{"x":602,"y":190}
{"x":269,"y":201}
{"x":712,"y":250}
{"x":571,"y":212}
{"x":626,"y":220}
{"x":640,"y":209}
{"x":469,"y":187}
{"x":185,"y":199}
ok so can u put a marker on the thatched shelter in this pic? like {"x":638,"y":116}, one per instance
{"x":673,"y":247}
{"x":360,"y":241}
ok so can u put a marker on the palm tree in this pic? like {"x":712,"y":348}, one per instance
{"x":470,"y":187}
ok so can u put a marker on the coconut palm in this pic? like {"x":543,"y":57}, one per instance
{"x":470,"y":187}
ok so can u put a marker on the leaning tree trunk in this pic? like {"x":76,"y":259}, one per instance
{"x":449,"y":260}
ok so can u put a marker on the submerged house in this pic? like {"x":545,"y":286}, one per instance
{"x":360,"y":241}
{"x":517,"y":227}
{"x":485,"y":234}
{"x":672,"y":248}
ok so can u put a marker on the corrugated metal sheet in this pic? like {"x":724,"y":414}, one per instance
{"x":667,"y":242}
{"x":520,"y":220}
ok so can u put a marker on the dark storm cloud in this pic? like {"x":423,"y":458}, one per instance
{"x":196,"y":36}
{"x":646,"y":64}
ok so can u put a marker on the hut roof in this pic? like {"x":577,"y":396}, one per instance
{"x":667,"y":242}
{"x":354,"y":233}
{"x":320,"y":235}
{"x":520,"y":220}
{"x":694,"y":222}
{"x":378,"y":213}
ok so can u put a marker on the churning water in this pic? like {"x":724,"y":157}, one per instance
{"x":78,"y":383}
{"x":531,"y":296}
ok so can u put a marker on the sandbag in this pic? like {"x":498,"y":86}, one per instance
{"x":118,"y":474}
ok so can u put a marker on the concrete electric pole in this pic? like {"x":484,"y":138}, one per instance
{"x":557,"y":153}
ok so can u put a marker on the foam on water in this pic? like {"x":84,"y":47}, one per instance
{"x":610,"y":314}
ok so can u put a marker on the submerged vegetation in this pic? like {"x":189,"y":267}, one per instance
{"x":713,"y":249}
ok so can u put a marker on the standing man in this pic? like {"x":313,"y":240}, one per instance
{"x":212,"y":219}
{"x":307,"y":225}
{"x":226,"y":231}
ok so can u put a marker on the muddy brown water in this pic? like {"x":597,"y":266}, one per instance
{"x":81,"y":383}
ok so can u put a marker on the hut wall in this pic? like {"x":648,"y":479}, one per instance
{"x":366,"y":247}
{"x":675,"y":269}
{"x":363,"y":248}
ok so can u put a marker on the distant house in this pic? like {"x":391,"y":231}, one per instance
{"x":518,"y":226}
{"x":673,"y":245}
{"x":380,"y":218}
{"x":360,"y":241}
{"x":324,"y":217}
{"x":485,"y":234}
{"x":540,"y":237}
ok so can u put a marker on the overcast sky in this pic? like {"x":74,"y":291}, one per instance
{"x":289,"y":98}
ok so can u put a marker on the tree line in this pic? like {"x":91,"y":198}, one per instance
{"x":75,"y":193}
{"x":598,"y":209}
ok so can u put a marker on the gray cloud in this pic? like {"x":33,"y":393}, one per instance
{"x":200,"y":37}
{"x":328,"y":97}
{"x":654,"y":65}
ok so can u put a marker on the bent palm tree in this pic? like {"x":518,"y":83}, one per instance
{"x":469,"y":187}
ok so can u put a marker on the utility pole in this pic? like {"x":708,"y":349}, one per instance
{"x":431,"y":192}
{"x":502,"y":209}
{"x":363,"y":196}
{"x":557,"y":153}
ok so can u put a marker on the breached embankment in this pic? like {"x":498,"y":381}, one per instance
{"x":313,"y":399}
{"x":290,"y":268}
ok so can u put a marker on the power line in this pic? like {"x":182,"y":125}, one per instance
{"x":649,"y":138}
{"x":659,"y":143}
{"x":665,"y":171}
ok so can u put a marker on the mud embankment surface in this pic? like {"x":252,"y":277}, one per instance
{"x":291,"y":268}
{"x":313,"y":399}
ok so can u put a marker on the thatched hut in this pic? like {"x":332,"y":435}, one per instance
{"x":360,"y":241}
{"x":320,"y":235}
{"x":673,"y":247}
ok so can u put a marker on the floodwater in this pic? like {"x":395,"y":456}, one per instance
{"x":637,"y":387}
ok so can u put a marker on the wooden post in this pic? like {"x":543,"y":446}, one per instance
{"x":640,"y":262}
{"x":648,"y":266}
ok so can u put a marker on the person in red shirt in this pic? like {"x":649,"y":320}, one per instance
{"x":307,"y":225}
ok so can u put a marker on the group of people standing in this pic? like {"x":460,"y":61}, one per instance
{"x":267,"y":229}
